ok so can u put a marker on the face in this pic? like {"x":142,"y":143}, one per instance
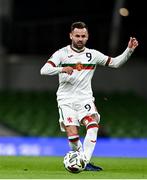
{"x":79,"y":38}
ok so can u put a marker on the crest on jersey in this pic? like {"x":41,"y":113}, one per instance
{"x":79,"y":66}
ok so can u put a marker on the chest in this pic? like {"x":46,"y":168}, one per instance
{"x":83,"y":58}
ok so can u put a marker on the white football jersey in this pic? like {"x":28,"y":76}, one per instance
{"x":78,"y":85}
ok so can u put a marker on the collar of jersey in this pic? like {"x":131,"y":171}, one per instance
{"x":76,"y":50}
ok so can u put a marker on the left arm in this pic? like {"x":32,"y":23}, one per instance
{"x":116,"y":62}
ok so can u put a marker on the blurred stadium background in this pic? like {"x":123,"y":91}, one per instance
{"x":30,"y":31}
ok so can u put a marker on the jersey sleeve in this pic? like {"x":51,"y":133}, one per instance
{"x":100,"y":58}
{"x":118,"y":61}
{"x":113,"y":62}
{"x":52,"y":66}
{"x":56,"y":58}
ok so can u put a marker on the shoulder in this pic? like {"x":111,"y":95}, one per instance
{"x":61,"y":51}
{"x":64,"y":49}
{"x":92,"y":51}
{"x":98,"y":56}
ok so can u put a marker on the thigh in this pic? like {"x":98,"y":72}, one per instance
{"x":88,"y":108}
{"x":68,"y":116}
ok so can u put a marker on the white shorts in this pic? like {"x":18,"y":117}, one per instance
{"x":73,"y":113}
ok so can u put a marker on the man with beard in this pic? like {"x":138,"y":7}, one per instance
{"x":75,"y":64}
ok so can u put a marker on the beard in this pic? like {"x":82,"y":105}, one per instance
{"x":79,"y":45}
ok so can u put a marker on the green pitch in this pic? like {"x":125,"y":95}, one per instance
{"x":21,"y":167}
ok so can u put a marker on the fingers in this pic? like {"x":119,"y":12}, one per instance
{"x":133,"y":39}
{"x":68,"y":70}
{"x":133,"y":43}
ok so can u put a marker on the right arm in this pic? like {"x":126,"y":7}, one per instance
{"x":50,"y":69}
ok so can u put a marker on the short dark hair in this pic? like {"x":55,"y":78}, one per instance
{"x":79,"y":25}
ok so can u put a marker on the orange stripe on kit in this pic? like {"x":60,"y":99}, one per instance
{"x":88,"y":118}
{"x":93,"y":141}
{"x":93,"y":126}
{"x":74,"y":140}
{"x":50,"y":62}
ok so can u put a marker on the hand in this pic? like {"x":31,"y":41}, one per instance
{"x":133,"y":43}
{"x":68,"y":70}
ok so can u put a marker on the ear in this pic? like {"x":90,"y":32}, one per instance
{"x":70,"y":35}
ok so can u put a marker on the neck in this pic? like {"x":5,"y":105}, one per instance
{"x":77,"y":50}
